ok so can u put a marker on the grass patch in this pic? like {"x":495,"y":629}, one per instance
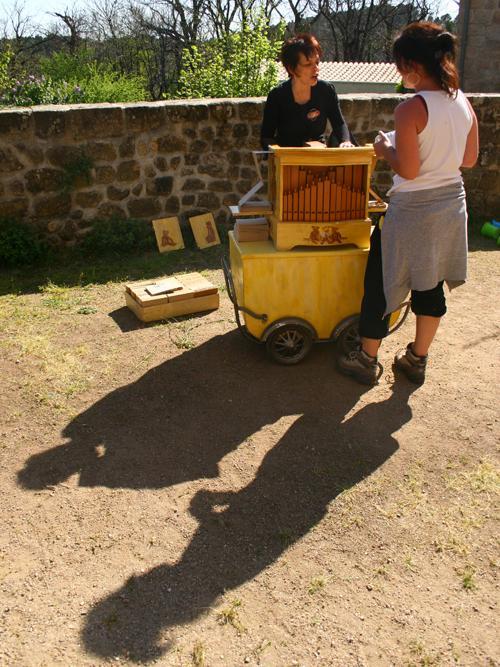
{"x":198,"y":655}
{"x":451,"y":544}
{"x":180,"y":335}
{"x":230,"y":616}
{"x":467,"y":576}
{"x":73,"y":268}
{"x":483,"y":479}
{"x":317,"y":584}
{"x":258,"y":651}
{"x":62,"y":373}
{"x":421,"y":657}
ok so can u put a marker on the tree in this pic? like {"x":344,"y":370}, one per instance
{"x":362,"y":30}
{"x":298,"y":9}
{"x":242,"y":64}
{"x":75,"y":22}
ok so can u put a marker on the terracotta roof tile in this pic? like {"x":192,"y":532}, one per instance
{"x":354,"y":72}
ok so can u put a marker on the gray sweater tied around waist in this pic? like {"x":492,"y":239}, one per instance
{"x":424,"y":241}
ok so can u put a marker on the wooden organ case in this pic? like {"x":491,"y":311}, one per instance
{"x":320,"y":196}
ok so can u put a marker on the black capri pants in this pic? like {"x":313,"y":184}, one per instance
{"x":372,"y":322}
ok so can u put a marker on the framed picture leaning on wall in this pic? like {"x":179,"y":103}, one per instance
{"x":168,"y":234}
{"x":204,"y":230}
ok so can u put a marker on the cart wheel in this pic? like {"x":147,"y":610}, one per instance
{"x":349,"y":339}
{"x":289,"y":344}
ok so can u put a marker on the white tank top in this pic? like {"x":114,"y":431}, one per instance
{"x":441,"y":143}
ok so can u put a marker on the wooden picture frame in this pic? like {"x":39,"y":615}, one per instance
{"x":168,"y":234}
{"x":204,"y":230}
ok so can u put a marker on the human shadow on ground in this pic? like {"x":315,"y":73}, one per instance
{"x":153,"y":439}
{"x":317,"y":459}
{"x":177,"y":421}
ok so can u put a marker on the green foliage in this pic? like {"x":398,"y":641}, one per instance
{"x":19,"y":244}
{"x":33,"y":90}
{"x":68,"y":79}
{"x":5,"y":78}
{"x":62,"y":66}
{"x":118,"y":236}
{"x":95,"y":82}
{"x":241,"y":65}
{"x":100,"y":83}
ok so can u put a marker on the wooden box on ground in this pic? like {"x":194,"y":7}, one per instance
{"x":197,"y":295}
{"x":321,"y":196}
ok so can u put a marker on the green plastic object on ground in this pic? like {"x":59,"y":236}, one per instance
{"x":490,"y":230}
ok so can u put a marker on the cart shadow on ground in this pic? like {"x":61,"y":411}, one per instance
{"x":175,"y":424}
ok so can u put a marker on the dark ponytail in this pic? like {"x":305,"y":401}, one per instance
{"x":432,"y":47}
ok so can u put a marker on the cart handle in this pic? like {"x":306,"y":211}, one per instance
{"x":228,"y":277}
{"x":406,"y":305}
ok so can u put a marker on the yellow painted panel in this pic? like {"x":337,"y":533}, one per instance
{"x":288,"y":235}
{"x":321,"y":286}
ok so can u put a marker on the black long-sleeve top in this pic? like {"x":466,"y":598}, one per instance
{"x":287,"y":123}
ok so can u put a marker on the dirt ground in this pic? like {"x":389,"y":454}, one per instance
{"x":170,"y":496}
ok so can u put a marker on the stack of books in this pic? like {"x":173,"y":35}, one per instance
{"x":251,"y":229}
{"x":256,"y":205}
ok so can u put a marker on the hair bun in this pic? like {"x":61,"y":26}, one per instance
{"x":445,"y":41}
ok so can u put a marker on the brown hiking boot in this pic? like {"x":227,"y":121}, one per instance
{"x":360,"y":366}
{"x":411,"y":364}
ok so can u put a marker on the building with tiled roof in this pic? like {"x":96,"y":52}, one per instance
{"x":357,"y":77}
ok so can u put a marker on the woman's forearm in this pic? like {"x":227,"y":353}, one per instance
{"x":405,"y":170}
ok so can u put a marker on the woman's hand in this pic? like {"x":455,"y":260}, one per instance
{"x":346,"y":144}
{"x":382,"y":144}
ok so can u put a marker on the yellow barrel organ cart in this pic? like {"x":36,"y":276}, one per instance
{"x":305,"y":285}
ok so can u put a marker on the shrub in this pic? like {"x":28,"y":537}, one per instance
{"x":101,"y":84}
{"x":69,"y":79}
{"x":19,"y":244}
{"x":39,"y":90}
{"x":96,"y":82}
{"x":61,"y":66}
{"x":118,"y":236}
{"x":242,"y":64}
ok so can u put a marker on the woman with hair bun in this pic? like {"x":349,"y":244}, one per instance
{"x":296,"y":111}
{"x":423,"y":241}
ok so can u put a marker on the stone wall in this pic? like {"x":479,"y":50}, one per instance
{"x":63,"y":167}
{"x":479,"y":32}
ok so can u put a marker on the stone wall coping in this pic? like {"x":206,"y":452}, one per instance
{"x":206,"y":102}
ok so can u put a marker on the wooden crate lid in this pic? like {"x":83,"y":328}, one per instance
{"x":305,"y":156}
{"x":193,"y":285}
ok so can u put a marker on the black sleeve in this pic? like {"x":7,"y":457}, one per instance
{"x":270,"y":120}
{"x":339,"y":126}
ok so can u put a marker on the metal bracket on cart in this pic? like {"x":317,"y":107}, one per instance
{"x":231,"y":292}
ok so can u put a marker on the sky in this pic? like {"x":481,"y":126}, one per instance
{"x":40,"y":10}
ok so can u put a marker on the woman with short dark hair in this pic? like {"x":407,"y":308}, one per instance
{"x":297,"y":110}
